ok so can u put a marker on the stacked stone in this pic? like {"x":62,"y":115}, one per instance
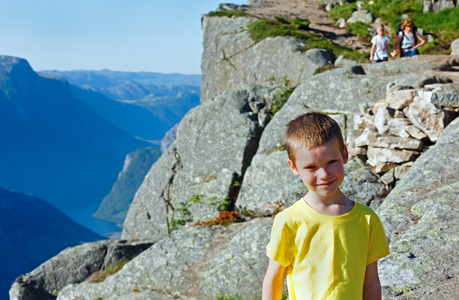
{"x":392,"y":133}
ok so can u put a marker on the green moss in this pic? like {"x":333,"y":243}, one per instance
{"x":285,"y":89}
{"x":360,"y":30}
{"x":229,"y":14}
{"x":342,"y":11}
{"x":262,"y":29}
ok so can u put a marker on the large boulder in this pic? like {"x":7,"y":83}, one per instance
{"x":204,"y":168}
{"x":73,"y":265}
{"x":420,"y":220}
{"x":455,"y":47}
{"x":231,"y":58}
{"x":197,"y":262}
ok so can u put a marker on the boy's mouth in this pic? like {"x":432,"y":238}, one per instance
{"x":328,"y":183}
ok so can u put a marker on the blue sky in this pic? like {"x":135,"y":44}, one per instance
{"x":121,"y":35}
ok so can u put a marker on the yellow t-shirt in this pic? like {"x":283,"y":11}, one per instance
{"x":326,"y":256}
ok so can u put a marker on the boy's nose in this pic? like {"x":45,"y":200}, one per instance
{"x":324,"y":173}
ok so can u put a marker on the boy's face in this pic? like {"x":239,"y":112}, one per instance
{"x":321,"y":168}
{"x":380,"y":30}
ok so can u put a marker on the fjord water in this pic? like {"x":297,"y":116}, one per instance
{"x":84,"y":216}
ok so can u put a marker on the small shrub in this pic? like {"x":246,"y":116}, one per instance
{"x":300,"y":24}
{"x":195,"y":199}
{"x":285,"y":90}
{"x":182,"y":216}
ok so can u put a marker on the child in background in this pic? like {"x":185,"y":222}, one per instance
{"x":406,"y":39}
{"x":380,"y":45}
{"x":328,"y":244}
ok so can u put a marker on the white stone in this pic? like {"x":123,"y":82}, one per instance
{"x":390,"y":155}
{"x":427,"y":117}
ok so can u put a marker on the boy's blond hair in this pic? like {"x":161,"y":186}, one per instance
{"x":311,"y":130}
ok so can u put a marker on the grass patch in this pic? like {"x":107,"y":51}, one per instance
{"x":285,"y":88}
{"x":360,"y":30}
{"x":390,"y":11}
{"x":101,"y":275}
{"x":229,"y":14}
{"x":264,"y":28}
{"x":342,"y":11}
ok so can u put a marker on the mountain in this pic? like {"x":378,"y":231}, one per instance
{"x":53,"y":145}
{"x":167,"y":96}
{"x":32,"y":231}
{"x":135,"y":120}
{"x":107,"y":78}
{"x":115,"y":205}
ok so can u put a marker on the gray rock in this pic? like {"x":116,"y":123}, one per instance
{"x":338,"y":92}
{"x":427,"y":117}
{"x":440,"y":5}
{"x":169,"y":138}
{"x":230,"y":6}
{"x":341,"y":23}
{"x":269,"y":179}
{"x":363,"y":16}
{"x":150,"y":199}
{"x":232,"y":59}
{"x":207,"y":163}
{"x":455,"y":47}
{"x":72,"y":265}
{"x":343,"y":62}
{"x":419,"y":217}
{"x":427,"y":6}
{"x":361,"y":185}
{"x":198,"y":262}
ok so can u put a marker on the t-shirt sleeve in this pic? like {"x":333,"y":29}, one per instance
{"x":378,"y":246}
{"x":373,"y":40}
{"x":278,"y":247}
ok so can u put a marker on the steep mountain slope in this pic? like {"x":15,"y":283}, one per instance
{"x":53,"y":145}
{"x":115,"y":205}
{"x":168,"y":97}
{"x":32,"y":231}
{"x":133,"y":119}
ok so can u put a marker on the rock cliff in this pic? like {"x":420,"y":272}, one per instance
{"x":230,"y":152}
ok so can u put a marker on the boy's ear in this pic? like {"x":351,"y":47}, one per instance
{"x":292,"y":167}
{"x":345,"y":155}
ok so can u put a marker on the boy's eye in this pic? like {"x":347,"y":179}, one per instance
{"x":332,"y":161}
{"x":309,"y":167}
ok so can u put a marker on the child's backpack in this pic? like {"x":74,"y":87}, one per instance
{"x":399,"y":29}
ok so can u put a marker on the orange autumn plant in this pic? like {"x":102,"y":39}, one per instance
{"x":224,"y":218}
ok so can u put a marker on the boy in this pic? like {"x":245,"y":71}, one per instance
{"x":328,"y":244}
{"x":380,"y":45}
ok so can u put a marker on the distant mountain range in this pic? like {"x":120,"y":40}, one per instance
{"x":53,"y":145}
{"x":167,"y":96}
{"x":145,"y":105}
{"x":31,"y":232}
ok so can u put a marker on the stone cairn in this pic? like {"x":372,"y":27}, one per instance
{"x":392,"y":133}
